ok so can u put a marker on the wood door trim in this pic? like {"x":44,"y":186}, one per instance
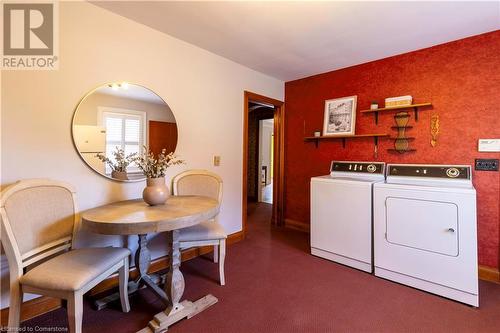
{"x":279,"y":158}
{"x":261,"y":98}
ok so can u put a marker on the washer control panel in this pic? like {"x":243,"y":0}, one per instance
{"x":358,"y":167}
{"x":430,"y":171}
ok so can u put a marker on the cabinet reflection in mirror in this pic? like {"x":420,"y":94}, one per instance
{"x":112,"y":123}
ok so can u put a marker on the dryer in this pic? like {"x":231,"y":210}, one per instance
{"x":425,"y":229}
{"x":341,"y":213}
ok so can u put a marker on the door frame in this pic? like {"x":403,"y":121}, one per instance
{"x":278,"y":154}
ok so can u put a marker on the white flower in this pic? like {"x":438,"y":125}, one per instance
{"x":154,"y":167}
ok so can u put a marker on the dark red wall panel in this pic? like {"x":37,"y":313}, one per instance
{"x":461,"y":79}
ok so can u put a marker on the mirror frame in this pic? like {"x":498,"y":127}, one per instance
{"x":73,"y":126}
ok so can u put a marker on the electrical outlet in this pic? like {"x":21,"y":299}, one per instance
{"x":216,"y":160}
{"x":486,"y":164}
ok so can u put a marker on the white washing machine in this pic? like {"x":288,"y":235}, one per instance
{"x":425,"y":230}
{"x":341,"y":213}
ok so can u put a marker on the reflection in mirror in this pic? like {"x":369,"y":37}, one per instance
{"x":114,"y":122}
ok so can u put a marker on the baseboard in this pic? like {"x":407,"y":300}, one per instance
{"x":33,"y":308}
{"x":44,"y":304}
{"x":297,"y":225}
{"x":489,"y":274}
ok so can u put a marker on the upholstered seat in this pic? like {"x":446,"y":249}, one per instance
{"x":73,"y":270}
{"x":211,"y":232}
{"x":203,"y":231}
{"x":39,"y":222}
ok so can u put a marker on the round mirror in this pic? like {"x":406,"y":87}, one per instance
{"x":113,"y":123}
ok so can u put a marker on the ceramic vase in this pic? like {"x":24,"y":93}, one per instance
{"x":119,"y":175}
{"x":156,"y":191}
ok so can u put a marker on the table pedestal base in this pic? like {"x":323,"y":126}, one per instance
{"x":162,"y":321}
{"x":133,"y":287}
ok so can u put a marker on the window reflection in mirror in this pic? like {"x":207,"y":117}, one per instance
{"x":114,"y":122}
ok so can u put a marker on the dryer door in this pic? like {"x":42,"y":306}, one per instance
{"x":423,"y":225}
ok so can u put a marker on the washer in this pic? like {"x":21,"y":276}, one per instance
{"x":341,"y":213}
{"x":425,"y":229}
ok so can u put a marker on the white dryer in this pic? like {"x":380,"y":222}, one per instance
{"x":341,"y":213}
{"x":425,"y":230}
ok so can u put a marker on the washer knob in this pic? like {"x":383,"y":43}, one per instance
{"x":371,"y":168}
{"x":452,"y":172}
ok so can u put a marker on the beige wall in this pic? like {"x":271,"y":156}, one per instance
{"x":204,"y":91}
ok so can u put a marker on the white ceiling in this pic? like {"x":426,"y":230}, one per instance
{"x":132,"y":91}
{"x":291,"y":40}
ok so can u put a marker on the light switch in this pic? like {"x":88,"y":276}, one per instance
{"x":216,"y":160}
{"x":489,"y":145}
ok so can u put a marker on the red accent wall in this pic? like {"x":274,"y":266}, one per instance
{"x":460,"y":78}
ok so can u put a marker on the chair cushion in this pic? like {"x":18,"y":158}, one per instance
{"x":204,"y":231}
{"x":73,"y":270}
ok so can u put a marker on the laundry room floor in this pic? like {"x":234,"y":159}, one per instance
{"x":275,"y":285}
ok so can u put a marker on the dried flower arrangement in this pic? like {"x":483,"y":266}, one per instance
{"x":155,"y":167}
{"x":121,"y":162}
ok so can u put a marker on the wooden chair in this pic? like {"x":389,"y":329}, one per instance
{"x":203,"y":183}
{"x":39,"y":220}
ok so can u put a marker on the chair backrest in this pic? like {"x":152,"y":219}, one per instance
{"x":39,"y":219}
{"x":198,"y":182}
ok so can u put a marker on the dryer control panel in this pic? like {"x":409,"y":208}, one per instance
{"x":358,"y":167}
{"x":430,"y":171}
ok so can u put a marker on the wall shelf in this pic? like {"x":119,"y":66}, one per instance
{"x":398,"y":127}
{"x":317,"y":139}
{"x":406,"y":138}
{"x":415,"y":108}
{"x":401,"y":152}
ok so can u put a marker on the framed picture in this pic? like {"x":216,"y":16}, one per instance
{"x":340,"y":116}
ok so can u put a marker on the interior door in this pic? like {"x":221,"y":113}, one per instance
{"x":162,"y":135}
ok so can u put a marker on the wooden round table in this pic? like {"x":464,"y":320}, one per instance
{"x":135,"y":217}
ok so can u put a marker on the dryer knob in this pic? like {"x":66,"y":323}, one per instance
{"x":452,"y":172}
{"x":371,"y":168}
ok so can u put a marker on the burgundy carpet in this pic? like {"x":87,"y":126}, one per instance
{"x":275,"y":285}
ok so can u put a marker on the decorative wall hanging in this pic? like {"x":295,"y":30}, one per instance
{"x":340,"y":116}
{"x":434,"y":129}
{"x":401,"y":142}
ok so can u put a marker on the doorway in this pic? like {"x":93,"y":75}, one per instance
{"x":263,"y":158}
{"x":265,"y":145}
